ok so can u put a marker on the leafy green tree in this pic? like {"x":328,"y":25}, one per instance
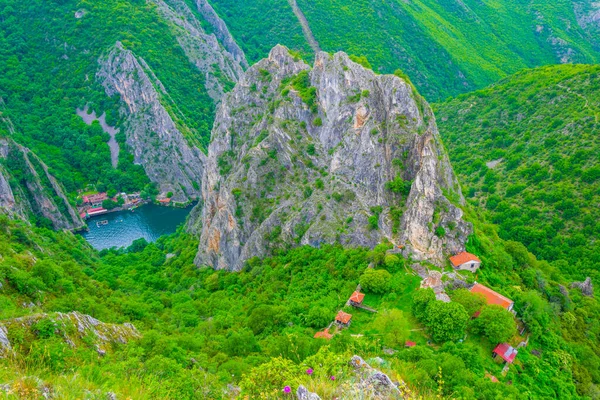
{"x":420,"y":301}
{"x":318,"y":317}
{"x":375,"y":280}
{"x":496,"y":323}
{"x":393,"y":327}
{"x":446,"y":321}
{"x":472,"y":302}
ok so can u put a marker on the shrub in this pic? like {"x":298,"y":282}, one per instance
{"x":375,"y":280}
{"x":446,"y":321}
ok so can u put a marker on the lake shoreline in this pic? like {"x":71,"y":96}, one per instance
{"x":119,"y":229}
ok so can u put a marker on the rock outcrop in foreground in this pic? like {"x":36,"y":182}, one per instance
{"x":303,"y":155}
{"x":170,"y":160}
{"x":27,"y":188}
{"x":73,"y":327}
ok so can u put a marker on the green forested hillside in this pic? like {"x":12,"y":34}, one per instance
{"x":203,"y":329}
{"x":528,"y":150}
{"x":446,"y":47}
{"x":48,"y":62}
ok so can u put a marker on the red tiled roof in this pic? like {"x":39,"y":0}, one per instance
{"x":409,"y":344}
{"x":165,"y":200}
{"x":343,"y":317}
{"x":83,"y":214}
{"x":492,"y":297}
{"x":462,"y":258}
{"x":357,"y":297}
{"x":95,"y":197}
{"x":93,"y":210}
{"x":324,"y":334}
{"x":506,"y":351}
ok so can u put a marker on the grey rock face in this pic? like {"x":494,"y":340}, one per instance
{"x":221,"y":31}
{"x":281,"y":171}
{"x":303,"y":394}
{"x":37,"y":191}
{"x":221,"y":68}
{"x":372,"y":383}
{"x":586,"y":287}
{"x":170,"y":160}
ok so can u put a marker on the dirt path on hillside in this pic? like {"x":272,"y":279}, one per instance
{"x":310,"y":38}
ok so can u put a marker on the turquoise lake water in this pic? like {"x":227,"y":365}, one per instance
{"x":148,"y":221}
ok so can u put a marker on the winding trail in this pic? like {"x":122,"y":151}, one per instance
{"x":112,"y":143}
{"x":310,"y":38}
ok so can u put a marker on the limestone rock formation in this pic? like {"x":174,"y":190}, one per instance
{"x":372,"y":383}
{"x":221,"y":31}
{"x":222,"y":69}
{"x":304,"y":394}
{"x":171,"y":160}
{"x":586,"y":287}
{"x":72,"y":327}
{"x":27,"y":187}
{"x":332,"y":153}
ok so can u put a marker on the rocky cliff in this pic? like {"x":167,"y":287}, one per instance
{"x":221,"y":32}
{"x":171,"y":160}
{"x":27,"y":188}
{"x":209,"y":53}
{"x":303,"y":155}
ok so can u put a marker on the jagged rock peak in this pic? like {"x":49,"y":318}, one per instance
{"x":332,"y":153}
{"x":171,"y":160}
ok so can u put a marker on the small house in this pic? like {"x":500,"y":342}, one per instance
{"x":506,"y":352}
{"x":324,"y":334}
{"x":492,"y":297}
{"x":409,"y":344}
{"x":356,"y":299}
{"x":342,"y":319}
{"x":465,"y":261}
{"x":95,"y":200}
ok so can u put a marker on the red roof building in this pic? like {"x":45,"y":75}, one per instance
{"x":465,"y":261}
{"x":506,"y":352}
{"x":492,"y":297}
{"x":357,"y":298}
{"x":409,"y":344}
{"x":324,"y":334}
{"x":343,"y":318}
{"x":95,"y":198}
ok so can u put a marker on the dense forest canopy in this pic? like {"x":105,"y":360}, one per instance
{"x":526,"y":150}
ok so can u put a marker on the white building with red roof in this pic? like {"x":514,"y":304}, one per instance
{"x":465,"y":261}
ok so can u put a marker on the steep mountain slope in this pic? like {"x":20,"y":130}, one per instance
{"x":30,"y":192}
{"x":48,"y":64}
{"x":304,"y":155}
{"x":528,"y":150}
{"x":447,"y":47}
{"x":169,"y":153}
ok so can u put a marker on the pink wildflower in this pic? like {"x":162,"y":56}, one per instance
{"x":332,"y":378}
{"x":287,"y":389}
{"x":309,"y":371}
